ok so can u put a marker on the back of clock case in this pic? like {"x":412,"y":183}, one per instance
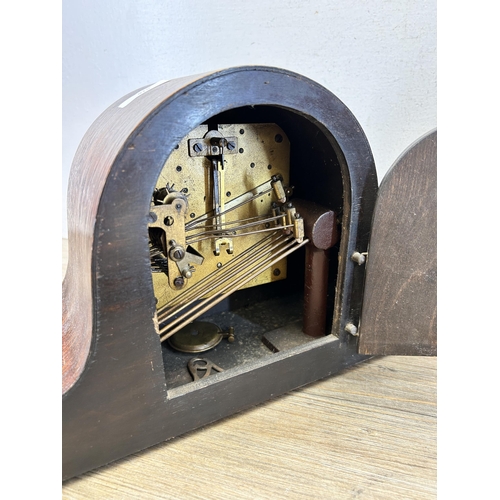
{"x":400,"y":297}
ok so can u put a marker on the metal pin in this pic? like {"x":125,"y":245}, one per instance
{"x":351,"y":329}
{"x":359,"y":258}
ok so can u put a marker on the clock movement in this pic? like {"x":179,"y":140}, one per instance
{"x":228,"y":242}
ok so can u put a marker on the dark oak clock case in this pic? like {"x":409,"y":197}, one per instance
{"x":379,"y":296}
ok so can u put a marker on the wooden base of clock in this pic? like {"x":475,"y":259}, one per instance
{"x":119,"y":389}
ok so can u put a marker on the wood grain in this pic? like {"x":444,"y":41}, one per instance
{"x":400,"y":301}
{"x":116,"y":400}
{"x":89,"y":171}
{"x":369,"y":432}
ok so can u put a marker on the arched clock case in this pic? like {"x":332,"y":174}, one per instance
{"x":228,"y":242}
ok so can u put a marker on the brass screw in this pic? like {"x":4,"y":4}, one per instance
{"x":179,"y":282}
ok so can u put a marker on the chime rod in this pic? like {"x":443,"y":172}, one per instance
{"x":208,"y":305}
{"x":219,"y":234}
{"x":233,"y":262}
{"x":237,"y":228}
{"x":238,"y":221}
{"x":219,"y":279}
{"x":222,"y":279}
{"x":190,"y":224}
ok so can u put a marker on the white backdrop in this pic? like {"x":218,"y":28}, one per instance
{"x":377,"y":56}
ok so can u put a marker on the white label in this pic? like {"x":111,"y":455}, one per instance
{"x":136,"y":95}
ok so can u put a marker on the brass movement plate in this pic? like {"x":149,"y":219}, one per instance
{"x":263,"y":151}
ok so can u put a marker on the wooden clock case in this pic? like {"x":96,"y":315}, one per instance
{"x":116,"y":399}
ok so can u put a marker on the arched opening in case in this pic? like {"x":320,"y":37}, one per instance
{"x":245,"y":229}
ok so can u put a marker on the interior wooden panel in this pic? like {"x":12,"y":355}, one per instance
{"x":400,"y":303}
